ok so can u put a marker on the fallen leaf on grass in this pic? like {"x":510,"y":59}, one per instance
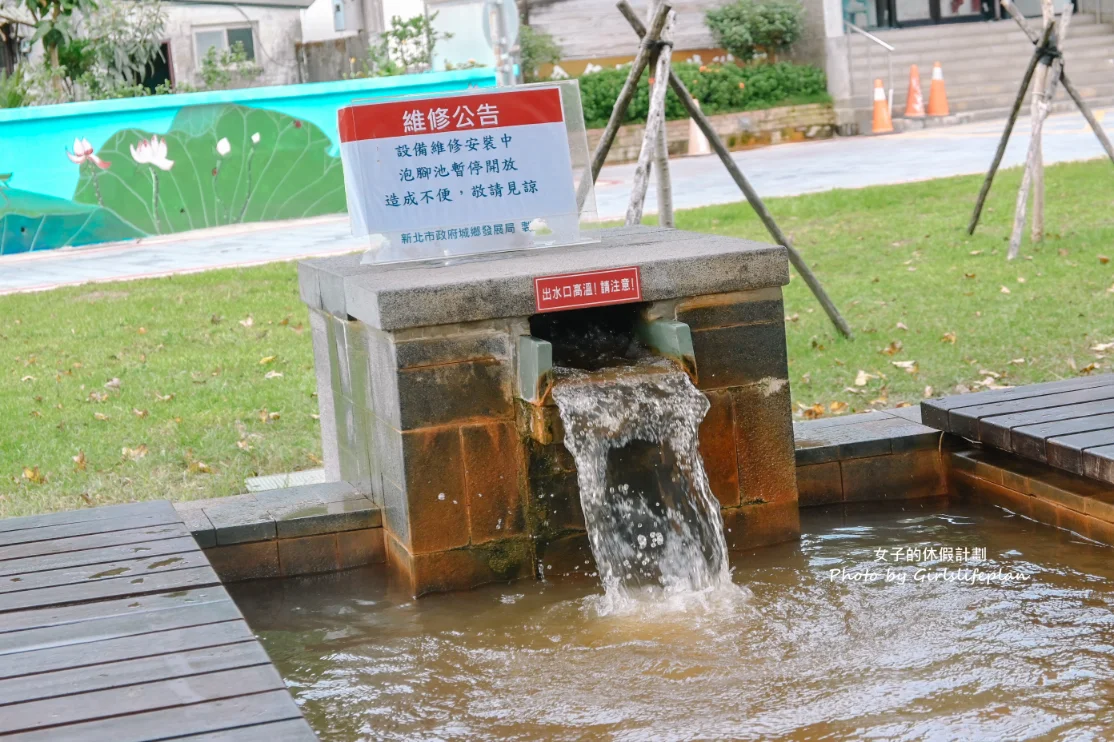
{"x":1089,"y":369}
{"x":894,"y":347}
{"x":199,"y":467}
{"x":1102,"y":347}
{"x":862,"y":378}
{"x":315,"y":459}
{"x":79,"y":461}
{"x":88,"y":500}
{"x":273,"y":375}
{"x":909,"y":367}
{"x":838,"y":408}
{"x":813,"y":412}
{"x":792,"y":317}
{"x":901,"y":326}
{"x":314,"y":416}
{"x":215,"y":319}
{"x":949,"y":337}
{"x":163,"y":397}
{"x":968,"y":275}
{"x":1103,"y":259}
{"x":96,"y":396}
{"x":806,"y":377}
{"x":28,"y":378}
{"x":100,"y":416}
{"x":1020,"y":279}
{"x":142,"y":330}
{"x":113,"y":384}
{"x":243,"y":445}
{"x":976,"y":252}
{"x":853,"y":390}
{"x":247,"y":322}
{"x":36,"y":413}
{"x":991,"y":374}
{"x":904,"y":404}
{"x":1004,"y":290}
{"x":138,"y":412}
{"x":928,"y":392}
{"x":132,"y":454}
{"x":33,"y":475}
{"x":266,"y":359}
{"x":1015,"y":361}
{"x":285,"y":321}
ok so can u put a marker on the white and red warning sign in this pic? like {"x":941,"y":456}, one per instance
{"x":590,"y":289}
{"x":455,"y":168}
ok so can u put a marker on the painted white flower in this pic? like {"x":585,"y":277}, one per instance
{"x":83,"y":151}
{"x":152,"y":152}
{"x":223,"y":147}
{"x":255,"y":138}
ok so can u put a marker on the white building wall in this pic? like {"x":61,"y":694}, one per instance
{"x":276,"y":31}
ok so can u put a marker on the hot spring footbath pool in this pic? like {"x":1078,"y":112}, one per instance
{"x":917,"y":622}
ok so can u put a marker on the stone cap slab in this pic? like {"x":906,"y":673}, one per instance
{"x":673,"y":264}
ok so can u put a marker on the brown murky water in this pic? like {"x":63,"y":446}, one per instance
{"x":795,"y":654}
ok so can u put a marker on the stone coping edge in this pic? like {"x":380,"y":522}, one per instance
{"x":291,"y":512}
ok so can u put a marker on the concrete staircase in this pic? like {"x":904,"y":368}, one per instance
{"x":983,"y":65}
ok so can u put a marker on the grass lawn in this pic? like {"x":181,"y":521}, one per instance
{"x":199,"y":406}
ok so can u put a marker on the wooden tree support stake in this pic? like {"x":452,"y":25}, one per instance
{"x":1033,"y":174}
{"x":1069,"y":87}
{"x":744,"y":185}
{"x":655,"y":125}
{"x":638,"y":66}
{"x":1001,"y":151}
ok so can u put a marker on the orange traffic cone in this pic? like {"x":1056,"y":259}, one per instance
{"x":914,"y":101}
{"x":937,"y":97}
{"x":882,"y":123}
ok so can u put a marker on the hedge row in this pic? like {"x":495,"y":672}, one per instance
{"x":719,"y":88}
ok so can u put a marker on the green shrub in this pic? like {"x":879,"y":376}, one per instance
{"x":719,"y":88}
{"x":537,"y":48}
{"x":746,"y":27}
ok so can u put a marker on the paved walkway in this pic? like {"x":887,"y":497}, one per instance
{"x":785,"y":170}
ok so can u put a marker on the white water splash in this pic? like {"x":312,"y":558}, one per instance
{"x":653,"y":523}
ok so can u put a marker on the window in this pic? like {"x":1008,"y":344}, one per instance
{"x":222,"y":39}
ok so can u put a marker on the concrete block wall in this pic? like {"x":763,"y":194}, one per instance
{"x":738,"y":130}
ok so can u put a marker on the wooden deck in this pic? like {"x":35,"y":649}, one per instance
{"x":114,"y":627}
{"x":1067,"y":424}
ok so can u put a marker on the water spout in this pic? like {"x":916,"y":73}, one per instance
{"x":654,"y":526}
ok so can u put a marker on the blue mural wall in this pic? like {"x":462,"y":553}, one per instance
{"x":83,"y":173}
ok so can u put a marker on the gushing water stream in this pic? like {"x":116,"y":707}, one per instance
{"x":653,"y":523}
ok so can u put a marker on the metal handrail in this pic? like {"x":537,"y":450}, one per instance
{"x":889,"y":62}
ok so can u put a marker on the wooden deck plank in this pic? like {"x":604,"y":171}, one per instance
{"x":117,"y":587}
{"x":93,"y":541}
{"x":1098,"y":463}
{"x":965,"y":421}
{"x":120,"y":610}
{"x":88,"y":528}
{"x":146,"y":670}
{"x":174,"y":723}
{"x":1029,"y":440}
{"x":103,"y":555}
{"x":294,"y":730}
{"x":135,"y":699}
{"x":92,"y":573}
{"x":89,"y":651}
{"x":997,"y":430}
{"x":84,"y":515}
{"x":1066,"y":452}
{"x":113,"y":626}
{"x":935,"y":412}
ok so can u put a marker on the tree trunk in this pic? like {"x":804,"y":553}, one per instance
{"x":655,"y":122}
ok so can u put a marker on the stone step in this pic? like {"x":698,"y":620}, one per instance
{"x":1011,"y":59}
{"x":958,"y":30}
{"x":953,"y":36}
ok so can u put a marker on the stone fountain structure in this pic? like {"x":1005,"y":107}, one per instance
{"x":434,"y":390}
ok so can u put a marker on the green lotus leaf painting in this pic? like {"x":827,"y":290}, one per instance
{"x":32,"y":221}
{"x":217,"y":165}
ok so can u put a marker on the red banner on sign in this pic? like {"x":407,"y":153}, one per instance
{"x":459,"y":113}
{"x":591,"y":289}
